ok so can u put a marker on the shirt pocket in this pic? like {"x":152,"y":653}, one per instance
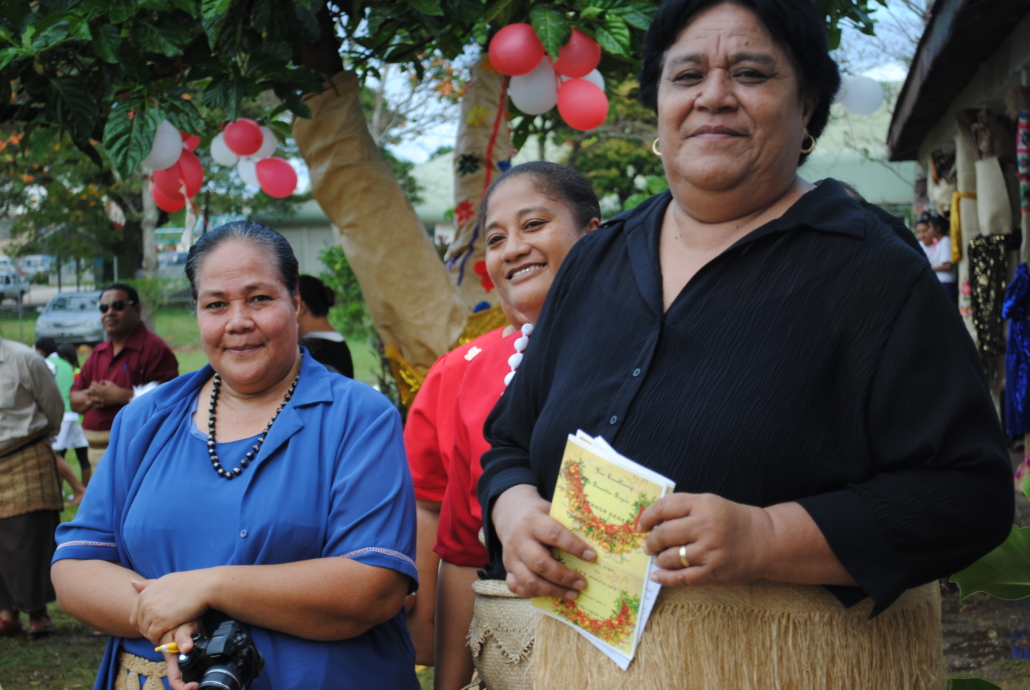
{"x":8,"y":393}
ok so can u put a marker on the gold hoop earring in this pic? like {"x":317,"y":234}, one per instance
{"x":654,"y":147}
{"x":810,"y":147}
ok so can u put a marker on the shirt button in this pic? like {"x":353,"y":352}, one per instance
{"x":614,"y":419}
{"x":636,"y":372}
{"x":243,"y":533}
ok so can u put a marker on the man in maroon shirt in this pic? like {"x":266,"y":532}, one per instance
{"x":131,"y":357}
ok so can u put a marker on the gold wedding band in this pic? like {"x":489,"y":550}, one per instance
{"x":683,"y":557}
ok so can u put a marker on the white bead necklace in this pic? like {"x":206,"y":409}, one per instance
{"x":520,"y":347}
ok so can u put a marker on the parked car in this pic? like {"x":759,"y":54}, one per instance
{"x":12,"y":286}
{"x":8,"y":265}
{"x":72,"y":317}
{"x":171,"y":265}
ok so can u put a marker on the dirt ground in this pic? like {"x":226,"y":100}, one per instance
{"x":988,"y":638}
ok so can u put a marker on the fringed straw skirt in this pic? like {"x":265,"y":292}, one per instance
{"x":763,"y":636}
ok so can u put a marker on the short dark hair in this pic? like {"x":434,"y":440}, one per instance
{"x":939,"y":222}
{"x":67,"y":352}
{"x":316,"y":295}
{"x":559,"y":182}
{"x":795,"y":26}
{"x":127,"y":289}
{"x":46,"y":345}
{"x":255,"y":233}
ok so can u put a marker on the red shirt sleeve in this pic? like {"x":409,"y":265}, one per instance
{"x":428,"y":470}
{"x":85,"y":375}
{"x":162,"y":366}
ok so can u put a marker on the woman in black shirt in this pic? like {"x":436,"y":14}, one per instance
{"x":316,"y":333}
{"x":774,"y":348}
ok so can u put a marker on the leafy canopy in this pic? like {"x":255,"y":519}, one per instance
{"x":111,"y":70}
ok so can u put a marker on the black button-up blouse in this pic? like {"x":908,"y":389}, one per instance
{"x":817,"y":360}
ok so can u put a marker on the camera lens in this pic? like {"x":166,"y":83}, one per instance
{"x":221,"y":678}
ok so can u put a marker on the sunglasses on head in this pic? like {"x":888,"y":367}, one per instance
{"x":117,"y":305}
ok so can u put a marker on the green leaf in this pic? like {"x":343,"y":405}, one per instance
{"x":293,"y":102}
{"x":590,"y":13}
{"x":209,"y":9}
{"x":122,"y":10}
{"x":308,"y":21}
{"x":73,"y":104}
{"x":80,"y":29}
{"x":26,"y":37}
{"x":182,"y":113}
{"x":281,"y":129}
{"x":40,"y":141}
{"x":128,"y":140}
{"x":106,"y":40}
{"x":270,"y":60}
{"x":187,"y":6}
{"x":430,"y":7}
{"x":637,"y":16}
{"x":613,"y":35}
{"x":551,"y":26}
{"x":1026,"y":485}
{"x":7,"y":55}
{"x":971,"y":684}
{"x":168,"y":39}
{"x":50,"y":37}
{"x":1003,"y":573}
{"x":500,"y":10}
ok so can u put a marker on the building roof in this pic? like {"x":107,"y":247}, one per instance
{"x":959,"y":36}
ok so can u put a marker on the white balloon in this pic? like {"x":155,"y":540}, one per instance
{"x":842,"y":93}
{"x":221,"y":153}
{"x":247,"y":169}
{"x":536,"y":92}
{"x":268,"y":144}
{"x":166,"y":149}
{"x":864,"y":95}
{"x":594,"y":78}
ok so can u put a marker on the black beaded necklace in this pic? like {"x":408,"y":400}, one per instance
{"x":222,"y":472}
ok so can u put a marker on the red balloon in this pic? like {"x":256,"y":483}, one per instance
{"x":581,"y":104}
{"x":243,"y":137}
{"x":169,"y":180}
{"x":192,"y":172}
{"x":168,"y":203}
{"x":277,"y":177}
{"x":515,"y":50}
{"x":189,"y":141}
{"x":579,"y":57}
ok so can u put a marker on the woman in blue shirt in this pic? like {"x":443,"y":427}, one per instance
{"x":261,"y":488}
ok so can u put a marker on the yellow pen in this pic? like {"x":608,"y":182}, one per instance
{"x":171,"y":648}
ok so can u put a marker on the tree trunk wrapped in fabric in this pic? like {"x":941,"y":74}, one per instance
{"x":417,"y":311}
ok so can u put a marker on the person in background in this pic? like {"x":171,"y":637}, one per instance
{"x":65,"y":376}
{"x":316,"y":333}
{"x":940,"y":254}
{"x":76,"y":438}
{"x":132,"y":356}
{"x":30,"y":489}
{"x":924,"y":235}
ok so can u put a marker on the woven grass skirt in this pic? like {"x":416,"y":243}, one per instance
{"x":501,"y":637}
{"x":763,"y":636}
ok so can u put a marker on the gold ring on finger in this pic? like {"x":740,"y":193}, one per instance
{"x":683,"y":557}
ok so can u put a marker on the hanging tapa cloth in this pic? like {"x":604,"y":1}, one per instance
{"x":987,"y":268}
{"x":1017,"y":353}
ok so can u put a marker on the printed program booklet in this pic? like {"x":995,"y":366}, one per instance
{"x":600,"y":496}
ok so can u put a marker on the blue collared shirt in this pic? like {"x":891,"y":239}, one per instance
{"x":331,"y":480}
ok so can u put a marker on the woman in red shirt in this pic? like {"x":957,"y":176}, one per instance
{"x":532,"y":216}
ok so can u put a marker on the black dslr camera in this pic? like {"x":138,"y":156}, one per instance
{"x":228,"y":660}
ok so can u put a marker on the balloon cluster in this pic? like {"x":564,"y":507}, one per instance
{"x":249,"y":146}
{"x":860,"y":95}
{"x":177,"y":170}
{"x":538,"y":84}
